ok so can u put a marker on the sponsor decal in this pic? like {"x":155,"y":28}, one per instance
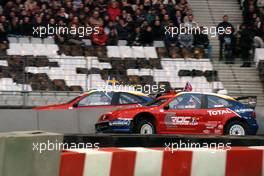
{"x":220,"y":126}
{"x":218,"y":112}
{"x":119,"y":123}
{"x":244,"y":110}
{"x":218,"y":131}
{"x":206,"y":131}
{"x":172,"y":120}
{"x":211,"y":124}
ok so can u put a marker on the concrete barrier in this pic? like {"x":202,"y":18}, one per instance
{"x":237,"y":161}
{"x":260,"y":119}
{"x":19,"y":154}
{"x":58,"y":121}
{"x":76,"y":121}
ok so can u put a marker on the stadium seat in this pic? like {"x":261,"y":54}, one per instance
{"x":150,"y":52}
{"x":13,"y":39}
{"x":36,"y":40}
{"x":24,"y":40}
{"x":87,"y":42}
{"x":122,"y":43}
{"x":126,"y":52}
{"x":157,"y":43}
{"x":48,"y":41}
{"x":138,"y":52}
{"x":113,"y":51}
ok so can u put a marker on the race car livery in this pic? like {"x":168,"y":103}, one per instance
{"x":102,"y":99}
{"x":184,"y":113}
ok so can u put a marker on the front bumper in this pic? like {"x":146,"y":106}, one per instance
{"x":115,"y":126}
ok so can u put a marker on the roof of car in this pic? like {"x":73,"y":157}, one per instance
{"x":131,"y":92}
{"x":214,"y":94}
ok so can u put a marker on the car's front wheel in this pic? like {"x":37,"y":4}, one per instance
{"x":236,"y":128}
{"x":145,"y":127}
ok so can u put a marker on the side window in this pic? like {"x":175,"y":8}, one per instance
{"x":126,"y":98}
{"x":186,"y":101}
{"x":96,"y":98}
{"x":217,"y":102}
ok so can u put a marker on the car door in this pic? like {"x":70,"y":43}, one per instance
{"x":97,"y":99}
{"x":183,"y":114}
{"x":217,"y":109}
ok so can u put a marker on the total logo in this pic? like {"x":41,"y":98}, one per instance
{"x":219,"y":112}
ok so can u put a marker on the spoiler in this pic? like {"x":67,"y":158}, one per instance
{"x":251,"y":101}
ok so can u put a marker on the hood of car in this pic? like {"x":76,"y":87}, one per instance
{"x":52,"y":107}
{"x":127,"y":113}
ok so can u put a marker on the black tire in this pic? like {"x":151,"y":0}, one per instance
{"x":147,"y":124}
{"x":239,"y":124}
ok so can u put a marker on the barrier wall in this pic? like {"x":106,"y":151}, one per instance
{"x":19,"y":154}
{"x":238,"y":161}
{"x":66,"y":121}
{"x":59,"y":121}
{"x":260,"y":119}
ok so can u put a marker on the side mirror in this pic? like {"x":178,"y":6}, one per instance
{"x":166,"y":107}
{"x":75,"y":105}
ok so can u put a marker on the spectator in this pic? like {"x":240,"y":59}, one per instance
{"x":169,"y":40}
{"x":74,"y":38}
{"x":201,"y":41}
{"x":185,"y":42}
{"x":245,"y":45}
{"x":99,"y":39}
{"x":135,"y":39}
{"x":3,"y":34}
{"x":229,"y":34}
{"x":182,"y":5}
{"x":14,"y":28}
{"x":127,"y":7}
{"x":26,"y":27}
{"x":140,"y":22}
{"x":190,"y":23}
{"x":112,"y":37}
{"x":158,"y":31}
{"x":113,"y":10}
{"x":95,"y":19}
{"x":177,"y":18}
{"x":122,"y":29}
{"x":147,"y":36}
{"x":260,"y":3}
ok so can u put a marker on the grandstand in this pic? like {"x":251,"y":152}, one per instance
{"x":36,"y":71}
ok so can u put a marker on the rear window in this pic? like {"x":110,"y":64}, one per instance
{"x":217,"y":102}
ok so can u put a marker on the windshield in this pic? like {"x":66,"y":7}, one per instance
{"x":73,"y":99}
{"x":157,"y":102}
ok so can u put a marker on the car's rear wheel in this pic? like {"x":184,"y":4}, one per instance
{"x":145,"y":127}
{"x":236,"y":128}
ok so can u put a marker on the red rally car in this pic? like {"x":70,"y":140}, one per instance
{"x":101,"y":99}
{"x":184,"y":113}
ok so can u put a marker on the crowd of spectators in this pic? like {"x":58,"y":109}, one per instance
{"x":251,"y":33}
{"x":139,"y":22}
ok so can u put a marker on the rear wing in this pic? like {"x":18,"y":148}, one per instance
{"x":251,"y":101}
